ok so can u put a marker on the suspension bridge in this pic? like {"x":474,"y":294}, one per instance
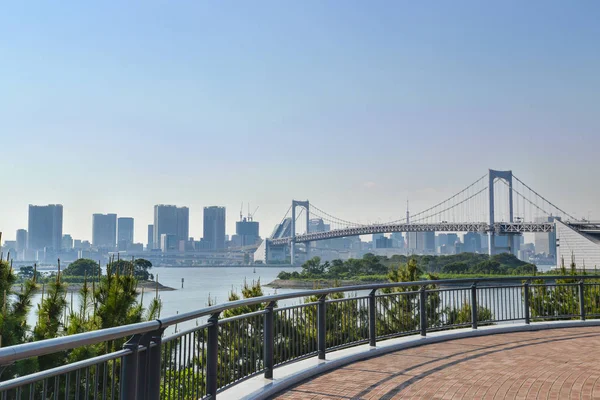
{"x":498,"y":204}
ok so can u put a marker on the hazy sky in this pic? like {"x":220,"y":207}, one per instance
{"x":116,"y":106}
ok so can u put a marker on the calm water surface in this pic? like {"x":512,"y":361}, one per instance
{"x":217,"y":283}
{"x":199,"y":285}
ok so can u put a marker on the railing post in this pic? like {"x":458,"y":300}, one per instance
{"x":268,"y":338}
{"x":143,"y":366}
{"x":130,"y":369}
{"x":321,"y":326}
{"x":474,"y":305}
{"x":423,"y":310}
{"x":581,"y":301}
{"x":372,"y":319}
{"x":526,"y":298}
{"x":154,"y":362}
{"x":212,"y":356}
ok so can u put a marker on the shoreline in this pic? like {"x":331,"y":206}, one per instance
{"x":146,"y":286}
{"x":317,"y":283}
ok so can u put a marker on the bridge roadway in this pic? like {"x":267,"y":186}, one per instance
{"x":482,"y":227}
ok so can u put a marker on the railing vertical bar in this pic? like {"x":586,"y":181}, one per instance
{"x":97,"y":381}
{"x":67,"y":385}
{"x":474,"y":305}
{"x":77,"y":382}
{"x":56,"y":386}
{"x":87,"y":382}
{"x":423,"y":310}
{"x":526,"y":301}
{"x":321,"y":326}
{"x":581,"y":300}
{"x":212,"y":357}
{"x":204,"y":363}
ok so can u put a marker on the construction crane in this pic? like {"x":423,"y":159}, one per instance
{"x":251,"y":216}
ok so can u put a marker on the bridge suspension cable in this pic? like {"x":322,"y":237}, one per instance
{"x":544,"y":199}
{"x":449,"y":208}
{"x":331,"y":218}
{"x":419,"y":214}
{"x":531,"y":203}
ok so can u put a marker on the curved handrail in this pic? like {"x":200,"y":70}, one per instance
{"x":218,"y":308}
{"x":35,"y":349}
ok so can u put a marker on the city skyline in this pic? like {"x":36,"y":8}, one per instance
{"x":355,"y":108}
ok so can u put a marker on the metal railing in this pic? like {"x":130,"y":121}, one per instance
{"x":248,"y":337}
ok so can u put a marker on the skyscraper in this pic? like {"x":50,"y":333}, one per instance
{"x":546,"y":242}
{"x":247,"y":232}
{"x":124,"y":232}
{"x":150,"y":245}
{"x":170,"y":220}
{"x":104,"y":230}
{"x":429,"y":242}
{"x":67,"y":242}
{"x":21,"y":239}
{"x":214,"y":227}
{"x":45,"y":227}
{"x":472,"y":242}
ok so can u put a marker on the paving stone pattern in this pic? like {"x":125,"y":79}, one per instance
{"x":547,"y":364}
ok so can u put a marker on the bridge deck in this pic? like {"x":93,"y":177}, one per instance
{"x":556,"y":364}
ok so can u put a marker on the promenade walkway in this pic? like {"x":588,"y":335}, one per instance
{"x":547,"y":364}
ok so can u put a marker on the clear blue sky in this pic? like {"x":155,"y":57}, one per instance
{"x":115,"y":106}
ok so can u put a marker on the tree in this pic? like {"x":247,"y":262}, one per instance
{"x":29,"y":272}
{"x":139,"y":267}
{"x":456,"y":268}
{"x":313,"y":267}
{"x":82,"y":267}
{"x":142,"y":266}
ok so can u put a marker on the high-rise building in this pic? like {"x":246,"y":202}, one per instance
{"x":429,"y":242}
{"x":411,"y":241}
{"x":247,"y":232}
{"x":21,"y":239}
{"x":472,"y":242}
{"x":170,"y":220}
{"x":150,"y":245}
{"x":45,"y":227}
{"x":376,"y":240}
{"x":214,"y":226}
{"x":168,"y":242}
{"x":67,"y":242}
{"x":104,"y":231}
{"x":124,"y":233}
{"x":397,"y":240}
{"x":546,"y":242}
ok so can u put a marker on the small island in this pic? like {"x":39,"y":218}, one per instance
{"x":375,"y":269}
{"x":85,"y":271}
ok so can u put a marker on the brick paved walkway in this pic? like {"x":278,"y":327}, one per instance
{"x":549,"y":364}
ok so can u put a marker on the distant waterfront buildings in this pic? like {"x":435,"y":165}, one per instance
{"x":150,"y":243}
{"x":67,"y":242}
{"x":429,"y":242}
{"x":472,"y":242}
{"x":246,"y":232}
{"x":545,"y":243}
{"x":45,"y":227}
{"x":21,"y":240}
{"x":214,"y":227}
{"x":104,"y":231}
{"x":170,"y":220}
{"x":124,"y":233}
{"x":169,"y":242}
